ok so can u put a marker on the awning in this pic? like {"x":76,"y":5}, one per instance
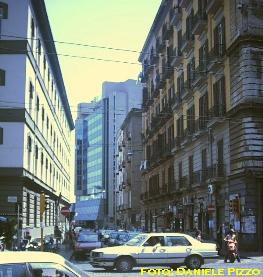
{"x":89,"y":210}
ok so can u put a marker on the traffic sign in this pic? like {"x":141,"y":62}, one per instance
{"x":65,"y":211}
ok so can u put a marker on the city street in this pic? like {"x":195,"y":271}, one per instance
{"x":248,"y":263}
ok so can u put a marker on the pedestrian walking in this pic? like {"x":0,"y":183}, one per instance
{"x":231,"y":236}
{"x":58,"y":235}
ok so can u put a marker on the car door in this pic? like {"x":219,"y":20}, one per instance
{"x":153,"y":251}
{"x":178,"y":248}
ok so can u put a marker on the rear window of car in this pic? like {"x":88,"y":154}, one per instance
{"x":88,"y":238}
{"x":13,"y":270}
{"x":177,"y":241}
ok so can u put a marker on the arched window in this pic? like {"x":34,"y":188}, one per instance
{"x":3,"y":10}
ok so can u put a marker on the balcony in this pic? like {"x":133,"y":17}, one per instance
{"x":200,"y":76}
{"x":213,"y":6}
{"x":199,"y":22}
{"x":217,"y":172}
{"x":176,"y":15}
{"x":216,"y":57}
{"x":177,"y":57}
{"x":201,"y":123}
{"x":187,"y":41}
{"x":185,"y":3}
{"x":216,"y":113}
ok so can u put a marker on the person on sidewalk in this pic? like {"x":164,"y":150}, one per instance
{"x":58,"y":235}
{"x":231,"y":236}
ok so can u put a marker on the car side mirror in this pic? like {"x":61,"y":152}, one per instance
{"x":156,"y":246}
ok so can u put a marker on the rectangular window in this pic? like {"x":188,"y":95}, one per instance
{"x":37,"y":103}
{"x":191,"y":120}
{"x":31,"y":90}
{"x":180,"y":173}
{"x":3,"y":11}
{"x":43,"y":114}
{"x":29,"y":144}
{"x":32,"y":28}
{"x":36,"y":152}
{"x":203,"y":111}
{"x":2,"y":77}
{"x":1,"y":135}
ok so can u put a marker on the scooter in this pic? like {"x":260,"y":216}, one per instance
{"x":231,"y":250}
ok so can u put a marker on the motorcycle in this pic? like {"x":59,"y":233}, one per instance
{"x":2,"y":244}
{"x":231,"y":250}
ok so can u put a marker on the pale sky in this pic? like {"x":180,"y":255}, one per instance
{"x":111,"y":23}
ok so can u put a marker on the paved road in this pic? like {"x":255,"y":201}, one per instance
{"x":248,"y":264}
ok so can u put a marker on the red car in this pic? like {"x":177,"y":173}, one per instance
{"x":85,"y":242}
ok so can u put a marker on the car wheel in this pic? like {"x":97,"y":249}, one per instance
{"x":124,"y":264}
{"x":108,"y":268}
{"x":193,"y":262}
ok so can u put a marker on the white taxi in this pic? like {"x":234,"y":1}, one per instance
{"x":35,"y":264}
{"x":155,"y":249}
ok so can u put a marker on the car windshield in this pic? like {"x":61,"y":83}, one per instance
{"x":87,"y":238}
{"x":136,"y":241}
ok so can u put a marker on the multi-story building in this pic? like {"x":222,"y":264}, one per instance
{"x":128,"y":175}
{"x":35,"y":118}
{"x":122,"y":97}
{"x":90,"y":162}
{"x":96,"y":129}
{"x":203,"y":60}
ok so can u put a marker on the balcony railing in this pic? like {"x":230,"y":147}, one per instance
{"x":201,"y":123}
{"x":216,"y":57}
{"x":217,"y":111}
{"x":200,"y":76}
{"x":199,"y":22}
{"x":218,"y":170}
{"x":177,"y":57}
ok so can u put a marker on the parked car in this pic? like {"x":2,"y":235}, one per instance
{"x":35,"y":264}
{"x":86,"y":242}
{"x":155,"y":249}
